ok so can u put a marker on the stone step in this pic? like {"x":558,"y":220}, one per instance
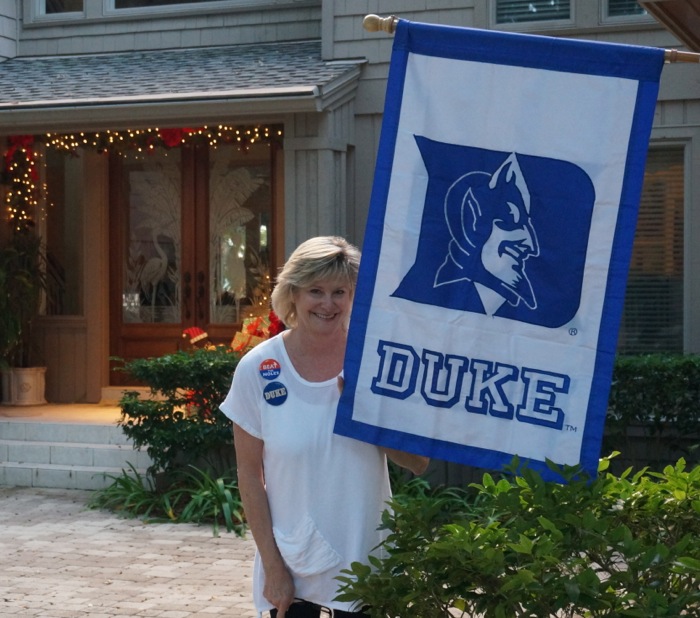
{"x":91,"y":433}
{"x":14,"y":474}
{"x":64,"y":455}
{"x":73,"y":454}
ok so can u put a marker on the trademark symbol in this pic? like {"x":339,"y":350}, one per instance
{"x":571,"y":428}
{"x":573,"y":332}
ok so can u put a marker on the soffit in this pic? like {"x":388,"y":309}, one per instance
{"x":680,"y":17}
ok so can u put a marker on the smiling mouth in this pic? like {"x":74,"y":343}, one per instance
{"x":325,"y":316}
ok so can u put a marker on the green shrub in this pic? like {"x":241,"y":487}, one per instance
{"x":193,"y":497}
{"x":520,"y":546}
{"x":660,"y":390}
{"x":130,"y":493}
{"x":182,"y":425}
{"x":205,"y":498}
{"x":653,"y":414}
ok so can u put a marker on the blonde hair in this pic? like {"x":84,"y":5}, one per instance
{"x":317,"y":259}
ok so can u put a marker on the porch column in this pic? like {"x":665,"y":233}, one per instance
{"x":318,"y":157}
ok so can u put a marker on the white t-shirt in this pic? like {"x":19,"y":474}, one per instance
{"x":326,"y":492}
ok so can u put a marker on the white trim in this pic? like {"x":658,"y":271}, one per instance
{"x":289,"y":91}
{"x":177,"y":113}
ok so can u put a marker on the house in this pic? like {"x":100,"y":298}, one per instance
{"x":183,"y":148}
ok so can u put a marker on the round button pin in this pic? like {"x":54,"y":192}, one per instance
{"x":270,"y":369}
{"x":275,"y":393}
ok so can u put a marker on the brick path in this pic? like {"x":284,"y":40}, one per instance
{"x":59,"y":559}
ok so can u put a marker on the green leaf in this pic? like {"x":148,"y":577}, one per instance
{"x":689,"y":563}
{"x":523,"y":546}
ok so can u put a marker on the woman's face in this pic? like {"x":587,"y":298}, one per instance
{"x":323,"y":307}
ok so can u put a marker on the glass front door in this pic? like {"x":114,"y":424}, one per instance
{"x":240,"y":195}
{"x":152,"y":274}
{"x":191,"y":245}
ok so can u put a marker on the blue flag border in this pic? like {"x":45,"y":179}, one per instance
{"x":643,"y":64}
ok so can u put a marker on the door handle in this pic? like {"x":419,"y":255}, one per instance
{"x":187,"y":277}
{"x":201,"y":294}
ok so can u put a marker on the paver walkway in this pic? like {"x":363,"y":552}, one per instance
{"x":59,"y":559}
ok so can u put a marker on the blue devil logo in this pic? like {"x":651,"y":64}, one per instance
{"x":502,"y":234}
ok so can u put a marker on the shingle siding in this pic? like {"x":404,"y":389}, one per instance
{"x":94,"y":37}
{"x":8,"y":30}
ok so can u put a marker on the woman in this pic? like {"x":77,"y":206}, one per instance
{"x":313,"y":499}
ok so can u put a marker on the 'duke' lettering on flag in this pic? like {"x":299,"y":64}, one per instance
{"x":497,"y":247}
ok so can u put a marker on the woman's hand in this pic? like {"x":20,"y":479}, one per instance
{"x":415,"y":463}
{"x":279,"y":589}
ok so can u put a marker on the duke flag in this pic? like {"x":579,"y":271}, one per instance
{"x":497,"y":246}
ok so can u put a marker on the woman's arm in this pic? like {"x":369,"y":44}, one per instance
{"x":279,"y":585}
{"x":415,"y":463}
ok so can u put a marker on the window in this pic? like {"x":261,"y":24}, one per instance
{"x":62,"y":6}
{"x":516,"y":11}
{"x":550,"y":15}
{"x":135,"y":4}
{"x":653,"y":313}
{"x":620,"y":8}
{"x":51,"y":12}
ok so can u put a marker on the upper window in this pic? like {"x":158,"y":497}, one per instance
{"x":578,"y":13}
{"x":51,"y":11}
{"x":621,"y":8}
{"x":62,"y":6}
{"x":516,"y":11}
{"x":74,"y":6}
{"x":137,"y":4}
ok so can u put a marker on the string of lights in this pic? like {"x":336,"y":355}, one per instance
{"x":25,"y":193}
{"x":143,"y":140}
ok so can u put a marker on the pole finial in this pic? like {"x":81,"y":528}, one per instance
{"x":374,"y":23}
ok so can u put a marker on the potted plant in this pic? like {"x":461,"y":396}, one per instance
{"x":22,"y":281}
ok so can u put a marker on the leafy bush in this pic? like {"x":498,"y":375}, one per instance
{"x":22,"y":280}
{"x":654,"y":409}
{"x":520,"y":546}
{"x":205,"y":498}
{"x":182,"y":424}
{"x":656,"y":389}
{"x":194,"y":497}
{"x":130,"y":493}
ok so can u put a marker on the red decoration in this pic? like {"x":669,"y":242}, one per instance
{"x":24,"y":144}
{"x":195,"y":334}
{"x":276,"y":325}
{"x":255,"y":330}
{"x":174,"y":137}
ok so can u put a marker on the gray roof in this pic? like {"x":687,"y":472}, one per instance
{"x":292,"y":70}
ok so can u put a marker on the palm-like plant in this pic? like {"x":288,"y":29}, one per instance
{"x":22,"y":280}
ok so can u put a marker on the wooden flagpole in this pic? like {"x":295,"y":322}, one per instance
{"x":374,"y":23}
{"x":673,"y":55}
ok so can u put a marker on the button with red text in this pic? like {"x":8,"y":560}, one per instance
{"x":270,"y":369}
